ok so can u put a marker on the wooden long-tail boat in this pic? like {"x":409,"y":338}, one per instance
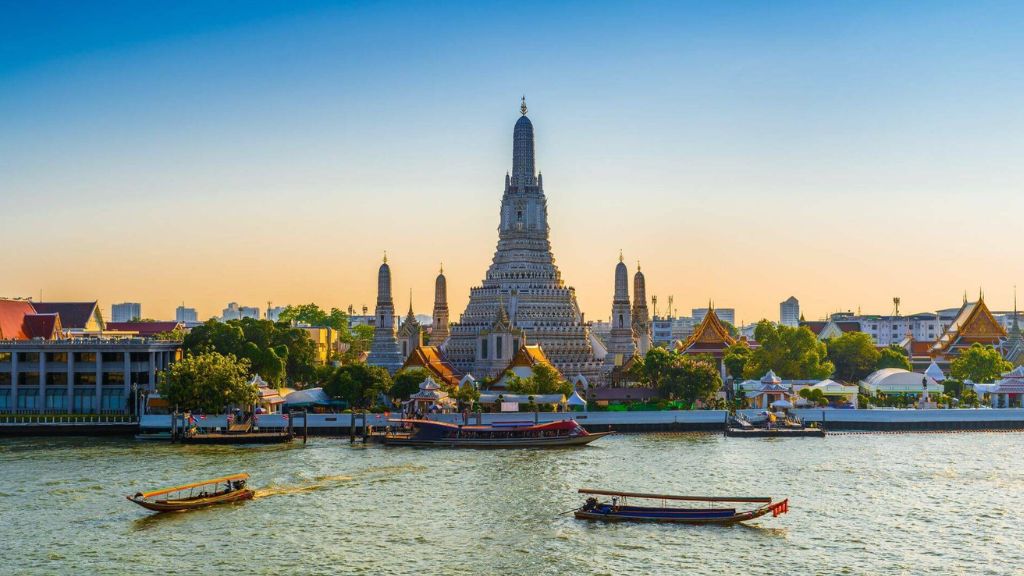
{"x":618,"y":509}
{"x":558,"y":434}
{"x":197,"y":495}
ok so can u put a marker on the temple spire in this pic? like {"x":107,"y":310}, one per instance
{"x":522,"y":106}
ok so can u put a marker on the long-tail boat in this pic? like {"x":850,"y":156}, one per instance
{"x":557,"y":434}
{"x":197,"y":495}
{"x":618,"y":509}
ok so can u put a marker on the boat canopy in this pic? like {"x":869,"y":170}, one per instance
{"x":672,"y":497}
{"x":232,"y":478}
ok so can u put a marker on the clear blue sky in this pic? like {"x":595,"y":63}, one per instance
{"x":745,"y":151}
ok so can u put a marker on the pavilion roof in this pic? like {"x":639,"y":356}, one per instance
{"x":710,"y":334}
{"x":431,"y":359}
{"x":974,"y":323}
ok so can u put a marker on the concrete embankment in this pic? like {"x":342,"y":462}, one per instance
{"x":665,"y":421}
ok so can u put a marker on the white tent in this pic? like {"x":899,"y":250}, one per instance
{"x":576,"y":400}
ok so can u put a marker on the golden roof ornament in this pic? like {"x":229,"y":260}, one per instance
{"x":620,"y":255}
{"x":522,"y":105}
{"x":385,"y":256}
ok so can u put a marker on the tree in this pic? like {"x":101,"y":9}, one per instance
{"x":407,"y":382}
{"x":690,"y":379}
{"x":979,"y":364}
{"x":358,"y":384}
{"x":893,"y":356}
{"x":360,"y":340}
{"x":278,"y":353}
{"x":793,"y":353}
{"x":735,"y":359}
{"x":656,"y":365}
{"x":814,"y":395}
{"x":468,"y":395}
{"x":175,"y":335}
{"x":547,"y":380}
{"x":854,"y":356}
{"x":208,"y":382}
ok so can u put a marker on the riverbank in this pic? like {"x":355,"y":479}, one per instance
{"x":342,"y":424}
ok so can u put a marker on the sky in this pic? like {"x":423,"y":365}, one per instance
{"x":743,"y":152}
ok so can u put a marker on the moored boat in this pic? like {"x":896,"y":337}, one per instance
{"x":197,"y":495}
{"x":559,"y":434}
{"x":619,"y":510}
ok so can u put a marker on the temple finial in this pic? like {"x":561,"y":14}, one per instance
{"x":620,"y":255}
{"x":385,"y":256}
{"x":522,"y":105}
{"x":410,"y":301}
{"x":442,"y":267}
{"x":637,"y":265}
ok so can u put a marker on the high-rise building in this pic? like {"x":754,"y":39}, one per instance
{"x":789,"y":312}
{"x":522,"y":297}
{"x":724,"y":314}
{"x":274,"y":313}
{"x":186,"y":315}
{"x":236,"y":312}
{"x":125,"y":312}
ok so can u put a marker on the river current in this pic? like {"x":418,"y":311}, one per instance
{"x":859,"y":504}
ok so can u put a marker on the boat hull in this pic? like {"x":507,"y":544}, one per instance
{"x":775,"y":433}
{"x":194,"y":503}
{"x":693,"y":518}
{"x":491,"y":443}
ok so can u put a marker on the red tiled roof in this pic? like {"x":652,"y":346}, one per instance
{"x":42,"y":325}
{"x":74,"y":315}
{"x":849,"y":326}
{"x":920,"y":348}
{"x":12,"y":318}
{"x":815,"y":326}
{"x":143,"y":328}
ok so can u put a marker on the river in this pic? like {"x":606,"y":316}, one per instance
{"x":859,"y":504}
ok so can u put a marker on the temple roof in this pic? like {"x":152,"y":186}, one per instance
{"x":710,"y":334}
{"x":42,"y":326}
{"x":73,"y":315}
{"x":431,"y":359}
{"x":973,"y":323}
{"x":12,"y":318}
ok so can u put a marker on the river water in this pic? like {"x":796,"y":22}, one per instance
{"x":859,"y":504}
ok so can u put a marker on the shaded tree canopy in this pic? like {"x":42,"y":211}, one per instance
{"x":893,"y":356}
{"x":278,"y":353}
{"x":208,"y":382}
{"x":793,"y":353}
{"x":853,"y":355}
{"x":979,"y":364}
{"x":407,"y":382}
{"x":358,"y":384}
{"x":735,"y":359}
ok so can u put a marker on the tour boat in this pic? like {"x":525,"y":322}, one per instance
{"x":198,"y":495}
{"x":557,"y":434}
{"x":618,"y":510}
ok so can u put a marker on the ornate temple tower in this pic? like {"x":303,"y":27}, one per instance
{"x":524,"y":281}
{"x":384,"y":351}
{"x":641,"y":318}
{"x":621,"y":342}
{"x":410,"y":334}
{"x":439,"y":333}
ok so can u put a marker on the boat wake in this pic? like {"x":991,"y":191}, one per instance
{"x":318,"y":483}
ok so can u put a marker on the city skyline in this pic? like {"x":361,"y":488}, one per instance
{"x":741,"y":155}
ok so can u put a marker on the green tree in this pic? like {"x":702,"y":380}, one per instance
{"x":278,"y":353}
{"x":208,"y":382}
{"x":814,"y":395}
{"x":735,"y":359}
{"x":407,"y":382}
{"x":893,"y":356}
{"x":468,"y":395}
{"x":793,"y":353}
{"x":853,"y":355}
{"x":979,"y":364}
{"x":690,"y":379}
{"x":358,"y":384}
{"x":175,"y":335}
{"x":547,"y":380}
{"x":656,"y":366}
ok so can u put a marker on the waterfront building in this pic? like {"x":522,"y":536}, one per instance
{"x":974,"y":323}
{"x":641,"y":316}
{"x":710,"y":338}
{"x":839,"y":395}
{"x":724,"y":315}
{"x":1005,"y":393}
{"x":76,"y":318}
{"x":897,"y":381}
{"x":769,"y":389}
{"x":670,"y":330}
{"x":187,"y":316}
{"x":384,"y":350}
{"x":236,"y":312}
{"x":429,"y":399}
{"x":125,"y":312}
{"x":19,"y":320}
{"x":621,"y":343}
{"x":431,"y":359}
{"x":789,"y":312}
{"x":523,"y":292}
{"x":439,"y":331}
